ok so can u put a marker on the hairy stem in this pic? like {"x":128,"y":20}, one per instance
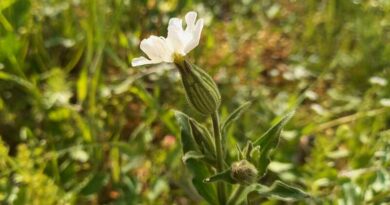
{"x":236,"y":195}
{"x":220,"y":161}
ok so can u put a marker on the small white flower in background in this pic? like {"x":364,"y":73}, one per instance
{"x":80,"y":155}
{"x":385,"y":102}
{"x":318,"y":109}
{"x":311,"y":95}
{"x":178,"y":42}
{"x":375,"y":80}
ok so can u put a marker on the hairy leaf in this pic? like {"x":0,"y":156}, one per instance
{"x":278,"y":190}
{"x":202,"y":138}
{"x":223,"y":176}
{"x":198,"y":169}
{"x":234,"y":116}
{"x":192,"y":155}
{"x":268,"y":143}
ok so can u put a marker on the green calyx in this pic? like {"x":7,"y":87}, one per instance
{"x":243,"y":172}
{"x":201,"y":91}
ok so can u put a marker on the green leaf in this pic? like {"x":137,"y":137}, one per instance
{"x":278,"y":190}
{"x":6,"y":3}
{"x":192,"y":155}
{"x":187,"y":140}
{"x":83,"y":126}
{"x":82,"y":85}
{"x":97,"y":182}
{"x":268,"y":143}
{"x":198,"y":169}
{"x":115,"y":164}
{"x":202,"y":138}
{"x":18,"y":80}
{"x":248,"y":149}
{"x":234,"y":116}
{"x":141,"y":92}
{"x":222,"y":176}
{"x":239,"y":152}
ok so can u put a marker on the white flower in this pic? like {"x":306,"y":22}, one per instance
{"x":375,"y":80}
{"x":178,"y":42}
{"x":385,"y":102}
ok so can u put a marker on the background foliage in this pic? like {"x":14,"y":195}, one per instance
{"x":79,"y":126}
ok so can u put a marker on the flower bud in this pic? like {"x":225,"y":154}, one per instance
{"x":243,"y":172}
{"x":201,"y":91}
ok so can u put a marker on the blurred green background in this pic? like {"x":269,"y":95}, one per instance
{"x":78,"y":125}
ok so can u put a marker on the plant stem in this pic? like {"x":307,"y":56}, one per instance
{"x":220,"y":161}
{"x":236,"y":195}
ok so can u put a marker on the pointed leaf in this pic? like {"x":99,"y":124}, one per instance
{"x":239,"y":152}
{"x":96,"y":183}
{"x":268,"y":143}
{"x":278,"y":190}
{"x":248,"y":149}
{"x":20,"y":81}
{"x":188,"y":142}
{"x":192,"y":155}
{"x":234,"y":116}
{"x":223,"y":176}
{"x":202,"y":138}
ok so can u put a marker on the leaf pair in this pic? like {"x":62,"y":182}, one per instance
{"x":256,"y":193}
{"x":198,"y":149}
{"x":204,"y":141}
{"x":257,"y":152}
{"x":193,"y":159}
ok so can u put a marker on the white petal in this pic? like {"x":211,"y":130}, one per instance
{"x":195,"y":37}
{"x":176,"y":35}
{"x":148,"y":46}
{"x":161,"y":48}
{"x":165,"y":49}
{"x":190,"y":20}
{"x":175,"y":22}
{"x":142,"y":61}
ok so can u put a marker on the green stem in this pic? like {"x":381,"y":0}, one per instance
{"x":220,"y":161}
{"x":236,"y":195}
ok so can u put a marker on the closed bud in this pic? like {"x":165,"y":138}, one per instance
{"x":243,"y":172}
{"x":201,"y":91}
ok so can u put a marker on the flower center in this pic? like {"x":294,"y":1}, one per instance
{"x":178,"y":58}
